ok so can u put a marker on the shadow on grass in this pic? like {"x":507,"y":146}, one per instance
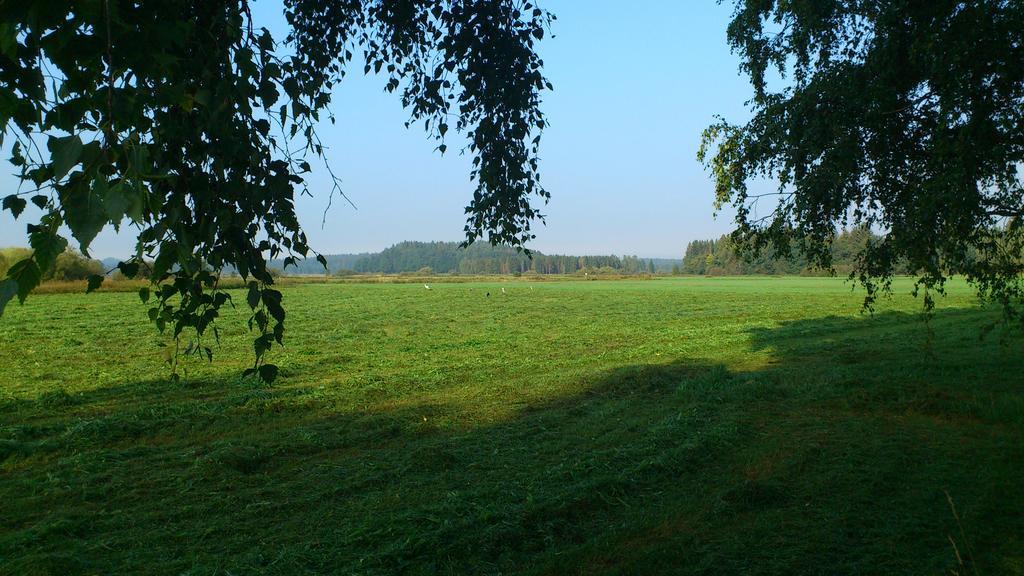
{"x":836,"y":458}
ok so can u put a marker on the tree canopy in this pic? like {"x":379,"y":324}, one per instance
{"x":903,"y":117}
{"x":195,"y":125}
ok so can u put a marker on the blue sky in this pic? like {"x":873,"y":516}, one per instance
{"x":635,"y":84}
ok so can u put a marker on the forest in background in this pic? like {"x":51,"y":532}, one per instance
{"x":701,"y":257}
{"x":719,"y":257}
{"x":481,"y":258}
{"x":450,"y":258}
{"x":714,"y":257}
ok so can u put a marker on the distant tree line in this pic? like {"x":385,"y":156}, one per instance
{"x":719,"y":257}
{"x":714,"y":257}
{"x":481,"y":258}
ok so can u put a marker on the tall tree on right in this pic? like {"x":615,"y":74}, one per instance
{"x":905,"y":117}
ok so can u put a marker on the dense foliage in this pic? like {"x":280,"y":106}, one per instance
{"x":720,"y":257}
{"x":906,"y":117}
{"x":196,"y":126}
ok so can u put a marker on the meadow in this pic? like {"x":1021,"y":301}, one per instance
{"x":670,"y":426}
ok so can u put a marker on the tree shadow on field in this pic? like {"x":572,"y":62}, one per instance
{"x":834,"y":458}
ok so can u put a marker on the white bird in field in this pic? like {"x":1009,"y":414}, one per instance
{"x":427,"y":287}
{"x":503,"y":291}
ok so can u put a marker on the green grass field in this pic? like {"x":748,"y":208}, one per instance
{"x":690,"y":426}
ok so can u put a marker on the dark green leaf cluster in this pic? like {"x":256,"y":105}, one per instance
{"x":196,"y":128}
{"x":468,"y":65}
{"x":904,"y":117}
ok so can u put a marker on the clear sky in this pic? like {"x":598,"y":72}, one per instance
{"x":635,"y":84}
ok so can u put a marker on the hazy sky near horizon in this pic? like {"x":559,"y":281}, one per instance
{"x":634,"y":88}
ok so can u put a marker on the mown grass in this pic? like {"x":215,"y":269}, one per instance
{"x":689,"y":426}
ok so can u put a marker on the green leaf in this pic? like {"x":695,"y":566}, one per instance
{"x":8,"y":288}
{"x":265,"y":41}
{"x":94,"y":282}
{"x":144,"y":294}
{"x":272,"y":300}
{"x":15,"y":204}
{"x":116,"y":202}
{"x":64,"y":154}
{"x":85,"y":214}
{"x":253,"y":297}
{"x":46,"y":246}
{"x":267,"y":93}
{"x":40,"y":201}
{"x":8,"y":106}
{"x":133,"y":196}
{"x":17,"y":158}
{"x":27,"y":275}
{"x":129,"y":269}
{"x":261,"y":344}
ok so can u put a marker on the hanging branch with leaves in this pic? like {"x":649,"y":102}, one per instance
{"x":159,"y":116}
{"x":906,"y":118}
